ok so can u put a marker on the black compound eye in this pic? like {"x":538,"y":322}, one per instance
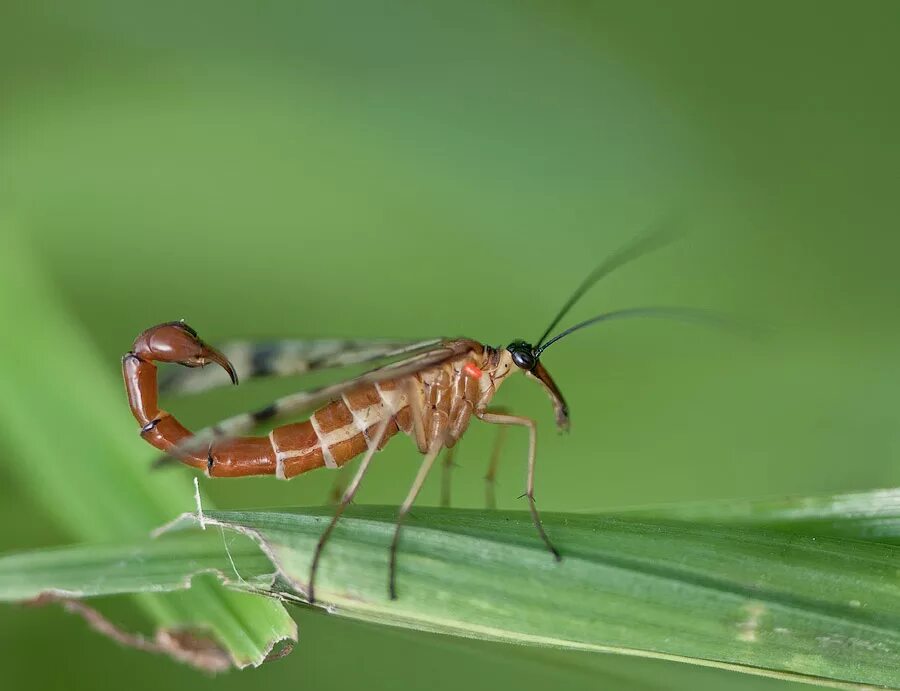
{"x":523,"y":359}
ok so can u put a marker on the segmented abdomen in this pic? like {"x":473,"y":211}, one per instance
{"x":341,"y":430}
{"x":348,"y":426}
{"x":333,"y":435}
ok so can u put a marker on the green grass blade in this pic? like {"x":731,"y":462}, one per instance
{"x":738,"y":597}
{"x":143,"y":566}
{"x":809,"y":608}
{"x":69,"y":443}
{"x":873,"y":515}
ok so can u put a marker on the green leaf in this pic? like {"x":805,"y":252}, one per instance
{"x":807,"y":607}
{"x":141,"y":566}
{"x":70,"y":444}
{"x":735,"y":597}
{"x":873,"y":515}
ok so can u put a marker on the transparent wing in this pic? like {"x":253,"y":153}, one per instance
{"x":286,"y":358}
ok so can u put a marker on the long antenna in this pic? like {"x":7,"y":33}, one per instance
{"x":651,"y":240}
{"x":687,"y":314}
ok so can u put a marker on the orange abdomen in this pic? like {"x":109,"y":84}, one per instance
{"x":331,"y":437}
{"x":446,"y":394}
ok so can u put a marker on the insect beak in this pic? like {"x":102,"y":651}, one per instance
{"x":560,"y":409}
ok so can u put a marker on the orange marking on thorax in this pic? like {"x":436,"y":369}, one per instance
{"x":470,"y":369}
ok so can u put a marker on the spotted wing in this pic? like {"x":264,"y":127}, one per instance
{"x":286,"y":358}
{"x":302,"y":402}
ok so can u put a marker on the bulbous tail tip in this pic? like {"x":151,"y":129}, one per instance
{"x":179,"y":343}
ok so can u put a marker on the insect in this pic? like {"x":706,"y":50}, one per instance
{"x":429,"y":390}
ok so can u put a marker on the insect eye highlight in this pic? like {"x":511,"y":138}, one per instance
{"x":523,"y":355}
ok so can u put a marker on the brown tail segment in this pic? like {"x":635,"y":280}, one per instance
{"x":179,"y":343}
{"x":336,"y":433}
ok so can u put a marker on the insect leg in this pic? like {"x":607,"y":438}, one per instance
{"x":406,"y":506}
{"x":490,"y":478}
{"x":338,"y":486}
{"x":415,"y":406}
{"x":498,"y":419}
{"x":447,"y":466}
{"x":349,"y":493}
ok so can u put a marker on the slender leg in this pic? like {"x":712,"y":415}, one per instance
{"x":498,"y":419}
{"x":339,"y":485}
{"x":349,"y":493}
{"x":405,"y":507}
{"x":415,"y":407}
{"x":490,"y":479}
{"x":446,"y":475}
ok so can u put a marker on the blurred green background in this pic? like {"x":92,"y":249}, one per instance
{"x":287,"y":169}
